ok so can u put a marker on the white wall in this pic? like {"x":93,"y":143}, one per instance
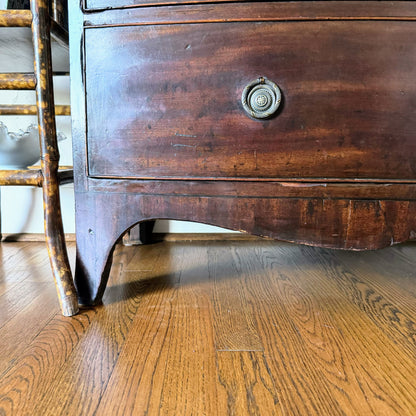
{"x":21,"y":207}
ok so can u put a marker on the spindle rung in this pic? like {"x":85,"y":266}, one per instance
{"x":31,"y":110}
{"x":17,"y":81}
{"x":15,"y":18}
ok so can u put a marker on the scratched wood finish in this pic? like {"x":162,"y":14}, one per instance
{"x":160,"y":132}
{"x":337,"y":223}
{"x":281,"y":10}
{"x":214,"y":327}
{"x":103,"y":4}
{"x":272,"y":11}
{"x":181,"y":107}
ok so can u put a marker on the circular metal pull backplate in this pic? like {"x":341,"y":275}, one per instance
{"x":261,"y":98}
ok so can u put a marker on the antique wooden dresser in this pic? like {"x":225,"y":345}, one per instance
{"x":292,"y":120}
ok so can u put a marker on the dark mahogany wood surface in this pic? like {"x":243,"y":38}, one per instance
{"x":165,"y":101}
{"x":281,"y":10}
{"x":102,"y":217}
{"x":272,"y":11}
{"x":106,"y":4}
{"x":261,"y":189}
{"x":160,"y":132}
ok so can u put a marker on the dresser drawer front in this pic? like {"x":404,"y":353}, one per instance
{"x":164,"y":101}
{"x":115,"y":4}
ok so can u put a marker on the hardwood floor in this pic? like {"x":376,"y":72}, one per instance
{"x":214,"y":328}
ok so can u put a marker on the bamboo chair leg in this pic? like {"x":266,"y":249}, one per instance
{"x":55,"y":241}
{"x":54,"y":233}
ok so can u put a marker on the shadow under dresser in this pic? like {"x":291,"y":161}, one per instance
{"x":291,"y":120}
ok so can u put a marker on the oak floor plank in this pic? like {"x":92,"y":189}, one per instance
{"x":135,"y":386}
{"x":330,"y":332}
{"x":145,"y":257}
{"x":25,"y":261}
{"x":12,"y":254}
{"x":7,"y":285}
{"x":394,"y":267}
{"x":248,"y":383}
{"x":292,"y":335}
{"x":379,"y":373}
{"x":191,"y":387}
{"x":235,"y":328}
{"x":12,"y":257}
{"x":13,"y":301}
{"x":29,"y":378}
{"x":24,"y":256}
{"x":382,"y":368}
{"x":174,"y":346}
{"x":81,"y":381}
{"x":375,"y":291}
{"x":19,"y":331}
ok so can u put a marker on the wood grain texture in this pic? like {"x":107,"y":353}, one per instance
{"x":29,"y":377}
{"x":323,"y":329}
{"x":248,"y":383}
{"x":385,"y":267}
{"x":333,"y":333}
{"x":25,"y":291}
{"x":181,"y":108}
{"x":253,"y":11}
{"x":168,"y":138}
{"x":85,"y":373}
{"x":375,"y":294}
{"x":14,"y":341}
{"x":357,"y":225}
{"x":235,"y":328}
{"x":183,"y":343}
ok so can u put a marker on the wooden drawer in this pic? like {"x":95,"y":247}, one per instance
{"x":164,"y":101}
{"x":115,"y":4}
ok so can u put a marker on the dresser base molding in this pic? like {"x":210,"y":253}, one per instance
{"x":102,"y":218}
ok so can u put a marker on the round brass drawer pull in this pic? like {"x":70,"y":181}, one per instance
{"x":261,"y":98}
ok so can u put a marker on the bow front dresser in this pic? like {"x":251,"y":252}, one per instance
{"x":292,"y":120}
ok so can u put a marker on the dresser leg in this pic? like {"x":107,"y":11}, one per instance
{"x":92,"y":272}
{"x":93,"y":264}
{"x":99,"y":224}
